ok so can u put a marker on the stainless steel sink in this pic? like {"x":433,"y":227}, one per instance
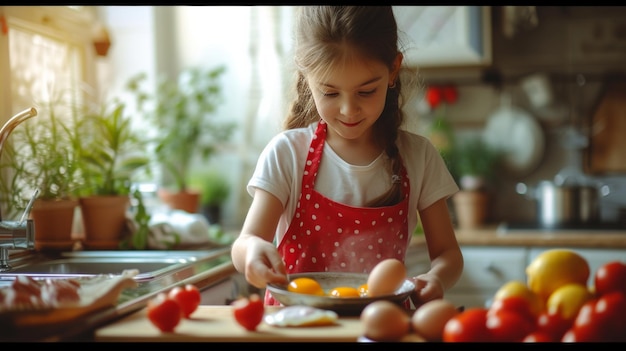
{"x":149,"y":264}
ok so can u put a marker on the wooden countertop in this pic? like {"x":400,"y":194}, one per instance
{"x":216,"y":324}
{"x":493,"y":236}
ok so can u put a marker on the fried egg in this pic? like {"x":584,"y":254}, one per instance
{"x":301,"y":316}
{"x":344,"y":291}
{"x":362,"y":289}
{"x":305,"y":285}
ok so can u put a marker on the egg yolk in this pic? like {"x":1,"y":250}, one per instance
{"x":362,"y":289}
{"x":344,"y":291}
{"x":307,"y":286}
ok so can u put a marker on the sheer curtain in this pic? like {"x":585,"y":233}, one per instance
{"x":270,"y":60}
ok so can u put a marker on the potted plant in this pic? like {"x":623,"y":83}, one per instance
{"x":111,"y":154}
{"x":473,"y":164}
{"x":183,"y":113}
{"x":214,"y":191}
{"x":42,"y":158}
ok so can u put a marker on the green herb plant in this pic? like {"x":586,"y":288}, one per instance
{"x":475,"y":158}
{"x":183,"y":112}
{"x":111,"y":152}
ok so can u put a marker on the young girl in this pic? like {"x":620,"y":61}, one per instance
{"x":339,"y":189}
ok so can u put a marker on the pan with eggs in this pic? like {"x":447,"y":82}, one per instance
{"x":346,"y":293}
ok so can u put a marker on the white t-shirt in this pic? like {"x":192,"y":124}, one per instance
{"x":281,"y":164}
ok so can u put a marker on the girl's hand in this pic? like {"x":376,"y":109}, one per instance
{"x":264,"y":264}
{"x":427,"y":287}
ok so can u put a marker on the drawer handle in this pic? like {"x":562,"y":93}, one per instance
{"x":492,"y":268}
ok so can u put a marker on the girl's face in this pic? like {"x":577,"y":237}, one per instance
{"x":351,"y":98}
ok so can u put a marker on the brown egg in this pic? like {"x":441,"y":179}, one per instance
{"x":385,"y":321}
{"x":412,"y":337}
{"x":386,"y":277}
{"x":430,"y":318}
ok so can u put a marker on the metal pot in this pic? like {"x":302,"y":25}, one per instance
{"x":563,"y":205}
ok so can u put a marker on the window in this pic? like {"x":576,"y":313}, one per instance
{"x":46,"y":55}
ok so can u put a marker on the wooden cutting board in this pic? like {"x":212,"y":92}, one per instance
{"x":607,"y":148}
{"x":216,"y":324}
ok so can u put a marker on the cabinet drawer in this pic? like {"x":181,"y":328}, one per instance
{"x":487,"y":269}
{"x":469,"y":300}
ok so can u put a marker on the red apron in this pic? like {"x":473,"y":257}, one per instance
{"x":327,"y":236}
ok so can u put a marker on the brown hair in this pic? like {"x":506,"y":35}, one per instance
{"x":323,"y":36}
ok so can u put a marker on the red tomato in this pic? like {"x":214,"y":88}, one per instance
{"x":610,"y":314}
{"x":553,"y":324}
{"x":433,"y":96}
{"x":164,"y":312}
{"x":467,"y":326}
{"x":580,"y":335}
{"x":586,"y":328}
{"x":450,"y":94}
{"x":610,"y":277}
{"x":508,"y":326}
{"x":600,"y":320}
{"x":515,"y":304}
{"x":249,"y":311}
{"x":188,"y":297}
{"x":540,"y":336}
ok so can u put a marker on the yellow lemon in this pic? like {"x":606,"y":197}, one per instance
{"x":568,"y":299}
{"x":518,"y":288}
{"x":555,"y":268}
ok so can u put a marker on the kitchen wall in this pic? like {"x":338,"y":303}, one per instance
{"x":566,"y":44}
{"x":577,"y":48}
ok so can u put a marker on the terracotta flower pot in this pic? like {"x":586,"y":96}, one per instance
{"x":470,"y":208}
{"x":104,"y":220}
{"x":53,"y":221}
{"x":188,"y":200}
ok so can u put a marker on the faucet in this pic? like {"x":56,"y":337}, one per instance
{"x":16,"y":234}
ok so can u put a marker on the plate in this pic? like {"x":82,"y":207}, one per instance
{"x":519,"y":135}
{"x":95,"y":293}
{"x":349,"y":306}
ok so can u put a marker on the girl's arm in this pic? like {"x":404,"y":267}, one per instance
{"x":444,"y":251}
{"x":253,"y":253}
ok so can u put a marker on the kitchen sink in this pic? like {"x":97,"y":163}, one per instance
{"x":149,"y":264}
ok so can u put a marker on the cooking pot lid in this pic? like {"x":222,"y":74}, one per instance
{"x":518,"y":134}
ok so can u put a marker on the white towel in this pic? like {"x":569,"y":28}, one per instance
{"x":192,"y":228}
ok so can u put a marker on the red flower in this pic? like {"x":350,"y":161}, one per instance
{"x":450,"y":94}
{"x":436,"y":95}
{"x":433,"y":96}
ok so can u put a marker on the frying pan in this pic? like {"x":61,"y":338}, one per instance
{"x":348,"y":306}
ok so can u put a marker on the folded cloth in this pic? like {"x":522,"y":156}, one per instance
{"x":192,"y":228}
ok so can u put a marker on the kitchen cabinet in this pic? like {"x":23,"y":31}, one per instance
{"x":486,"y":269}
